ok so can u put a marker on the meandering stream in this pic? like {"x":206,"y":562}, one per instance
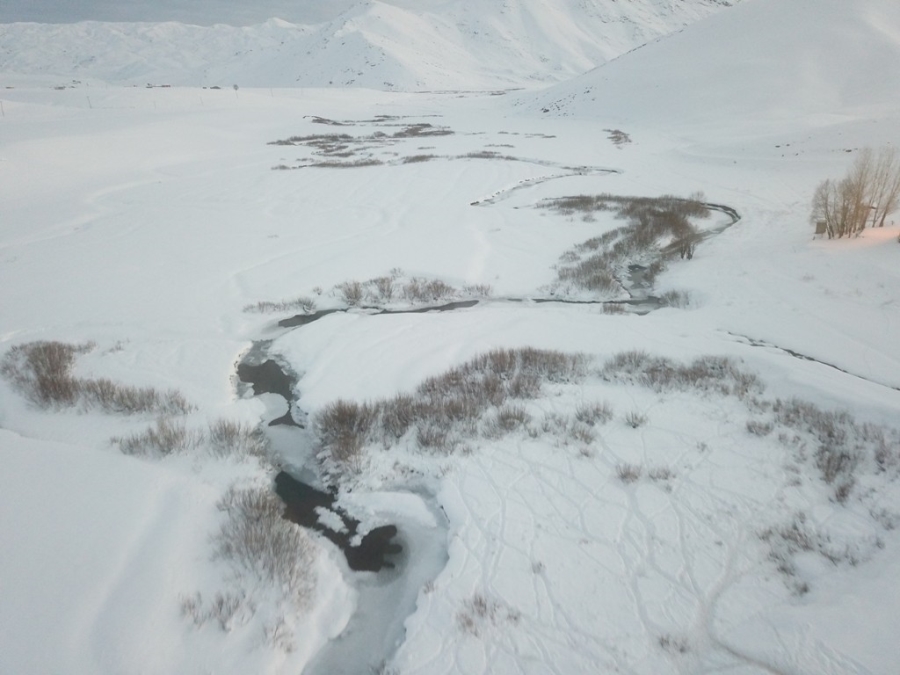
{"x":403,"y":546}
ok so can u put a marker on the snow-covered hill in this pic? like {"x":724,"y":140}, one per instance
{"x":770,"y":61}
{"x":397,"y":44}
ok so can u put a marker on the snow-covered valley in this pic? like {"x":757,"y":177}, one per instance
{"x":582,"y":480}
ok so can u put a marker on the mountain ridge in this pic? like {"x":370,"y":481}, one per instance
{"x":374,"y":44}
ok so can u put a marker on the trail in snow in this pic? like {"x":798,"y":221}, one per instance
{"x":756,"y":342}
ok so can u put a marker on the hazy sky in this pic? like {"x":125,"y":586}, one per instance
{"x":203,"y":12}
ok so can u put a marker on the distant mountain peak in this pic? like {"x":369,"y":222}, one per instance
{"x":400,"y":44}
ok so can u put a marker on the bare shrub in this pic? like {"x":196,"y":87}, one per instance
{"x":618,"y":137}
{"x":433,"y":438}
{"x":42,"y":371}
{"x":478,"y":290}
{"x":302,"y":304}
{"x":342,"y":418}
{"x":614,"y":308}
{"x":710,"y":374}
{"x":635,"y":419}
{"x":314,"y":138}
{"x":594,"y":273}
{"x":679,"y":299}
{"x":255,"y":540}
{"x":236,"y":439}
{"x":629,"y":473}
{"x":798,"y":536}
{"x":842,"y":443}
{"x":599,"y":264}
{"x":398,"y":415}
{"x":556,"y":424}
{"x":660,"y":473}
{"x":279,"y":635}
{"x":479,"y":612}
{"x":674,"y":644}
{"x":594,"y":413}
{"x":115,"y":397}
{"x":224,"y":607}
{"x":166,"y":437}
{"x":352,"y":292}
{"x":422,"y":129}
{"x":344,"y":427}
{"x":759,"y":428}
{"x":385,"y":287}
{"x":192,"y":608}
{"x":415,"y":290}
{"x":446,"y":409}
{"x":582,"y":434}
{"x":509,"y":418}
{"x":416,"y":159}
{"x":357,"y":163}
{"x":224,"y":438}
{"x":421,"y":290}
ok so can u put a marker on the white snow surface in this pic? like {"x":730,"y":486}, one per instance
{"x":144,"y":220}
{"x":396,"y":44}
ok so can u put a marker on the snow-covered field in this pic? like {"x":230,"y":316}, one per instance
{"x":633,"y":515}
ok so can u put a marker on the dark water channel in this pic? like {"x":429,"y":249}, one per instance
{"x":316,"y":510}
{"x":391,"y":562}
{"x":304,"y":504}
{"x":306,"y":319}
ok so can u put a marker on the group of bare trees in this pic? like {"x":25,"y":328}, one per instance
{"x":869,"y":192}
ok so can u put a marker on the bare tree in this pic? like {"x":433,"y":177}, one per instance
{"x":871,"y":190}
{"x":885,"y":186}
{"x":838,"y":205}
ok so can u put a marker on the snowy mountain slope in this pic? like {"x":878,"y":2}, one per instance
{"x":197,"y":12}
{"x":404,"y":45}
{"x":824,"y":61}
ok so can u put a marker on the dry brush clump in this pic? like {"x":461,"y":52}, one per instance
{"x":674,"y":298}
{"x":302,"y":304}
{"x":656,"y":227}
{"x":798,"y":536}
{"x":270,"y":559}
{"x":42,"y":371}
{"x":629,"y":473}
{"x":593,"y":414}
{"x":226,"y":609}
{"x":258,"y":543}
{"x":380,"y":291}
{"x":227,"y":438}
{"x":635,"y":419}
{"x":414,"y":290}
{"x":352,"y":292}
{"x":567,"y":429}
{"x":222,"y":439}
{"x":449,"y":408}
{"x":839,"y":447}
{"x":480,"y":612}
{"x":708,"y":374}
{"x":842,"y":447}
{"x":164,"y":438}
